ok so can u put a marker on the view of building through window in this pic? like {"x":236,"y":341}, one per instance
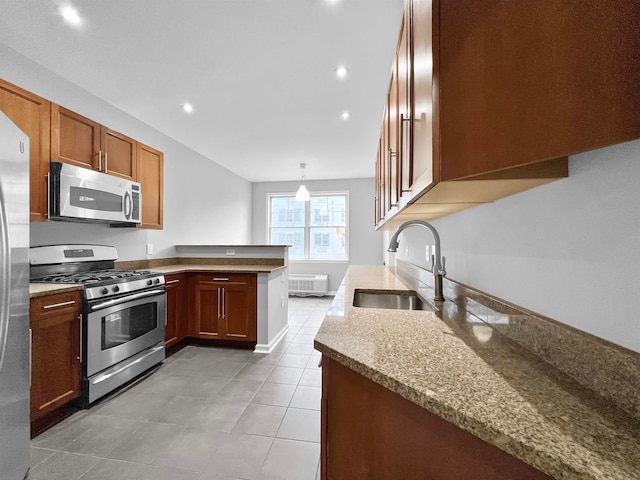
{"x":315,"y":230}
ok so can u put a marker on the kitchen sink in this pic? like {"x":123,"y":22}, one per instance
{"x":391,"y":299}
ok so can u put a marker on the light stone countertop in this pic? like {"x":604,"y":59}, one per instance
{"x":452,"y":364}
{"x":44,"y":289}
{"x":186,"y":268}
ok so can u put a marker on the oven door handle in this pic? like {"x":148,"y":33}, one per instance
{"x":126,"y":299}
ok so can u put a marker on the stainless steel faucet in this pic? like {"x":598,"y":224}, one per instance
{"x":438,"y":262}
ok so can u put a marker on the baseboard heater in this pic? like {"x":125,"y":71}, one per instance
{"x":305,"y":284}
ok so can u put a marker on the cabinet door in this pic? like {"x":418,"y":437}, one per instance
{"x":523,"y":82}
{"x":226,"y":306}
{"x":120,"y":154}
{"x":151,"y":178}
{"x":75,"y":139}
{"x":208,"y":310}
{"x":423,"y":44}
{"x":239,"y":314}
{"x":403,"y":75}
{"x":393,"y":178}
{"x":32,"y":115}
{"x":55,"y":363}
{"x":176,"y":328}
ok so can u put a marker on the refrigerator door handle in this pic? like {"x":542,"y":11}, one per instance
{"x":30,"y":356}
{"x":5,"y":275}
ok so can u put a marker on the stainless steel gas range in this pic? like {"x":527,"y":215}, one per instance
{"x":123,"y":313}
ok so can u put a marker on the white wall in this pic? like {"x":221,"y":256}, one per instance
{"x":569,"y":250}
{"x":365,"y":244}
{"x":203,"y":202}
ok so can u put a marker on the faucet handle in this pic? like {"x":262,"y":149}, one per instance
{"x":443,"y":271}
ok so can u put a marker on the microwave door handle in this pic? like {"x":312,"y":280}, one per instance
{"x":127,"y":205}
{"x":128,"y":298}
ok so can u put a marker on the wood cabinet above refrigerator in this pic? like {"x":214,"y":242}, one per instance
{"x":32,"y":114}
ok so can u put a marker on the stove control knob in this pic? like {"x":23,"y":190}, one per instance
{"x":156,"y":281}
{"x":149,"y":282}
{"x":104,"y":291}
{"x":116,"y":288}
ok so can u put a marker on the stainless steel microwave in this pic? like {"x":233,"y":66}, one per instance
{"x":82,"y":195}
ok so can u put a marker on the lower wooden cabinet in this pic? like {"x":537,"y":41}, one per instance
{"x":226,"y":306}
{"x":55,"y":354}
{"x":368,"y":431}
{"x":176,"y":328}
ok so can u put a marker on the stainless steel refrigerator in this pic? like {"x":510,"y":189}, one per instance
{"x":15,"y":350}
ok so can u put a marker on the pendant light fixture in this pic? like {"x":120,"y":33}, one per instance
{"x":302,"y":195}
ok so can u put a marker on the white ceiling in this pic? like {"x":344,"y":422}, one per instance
{"x":260,"y":74}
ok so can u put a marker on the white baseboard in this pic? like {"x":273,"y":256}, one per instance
{"x":268,"y":348}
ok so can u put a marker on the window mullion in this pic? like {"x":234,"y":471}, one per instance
{"x":307,"y":230}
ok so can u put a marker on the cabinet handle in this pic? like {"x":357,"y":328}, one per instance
{"x":30,"y":356}
{"x":402,"y":151}
{"x":99,"y":160}
{"x":224,"y":293}
{"x":47,"y":190}
{"x":106,"y":162}
{"x":220,"y":279}
{"x":393,"y":154}
{"x":80,"y":320}
{"x":171,"y":282}
{"x":55,"y":305}
{"x":218,"y":311}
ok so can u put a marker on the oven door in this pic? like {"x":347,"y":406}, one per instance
{"x":117,"y":329}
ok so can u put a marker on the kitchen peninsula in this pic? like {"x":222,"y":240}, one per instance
{"x":252,"y":280}
{"x":268,"y":264}
{"x":445,"y":395}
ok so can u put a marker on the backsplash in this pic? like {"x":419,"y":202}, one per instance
{"x":612,"y":371}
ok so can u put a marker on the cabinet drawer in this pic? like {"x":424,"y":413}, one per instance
{"x":222,"y":277}
{"x":176,"y":278}
{"x":42,"y":307}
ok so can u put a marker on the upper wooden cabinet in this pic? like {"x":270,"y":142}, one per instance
{"x":58,"y":134}
{"x":499,"y":97}
{"x":522,"y":82}
{"x":82,"y":142}
{"x":151,"y":178}
{"x":32,"y":115}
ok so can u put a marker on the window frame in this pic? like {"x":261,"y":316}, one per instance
{"x":307,"y":227}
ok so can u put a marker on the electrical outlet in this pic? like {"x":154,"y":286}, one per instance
{"x":149,"y":248}
{"x":231,"y":252}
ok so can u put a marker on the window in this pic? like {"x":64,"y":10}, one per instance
{"x":316,"y":229}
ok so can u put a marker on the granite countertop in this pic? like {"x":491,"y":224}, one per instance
{"x":44,"y":289}
{"x":454,"y":365}
{"x":184,"y":268}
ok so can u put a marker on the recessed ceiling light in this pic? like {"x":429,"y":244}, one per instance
{"x":187,"y":107}
{"x":345,"y":115}
{"x":70,"y":15}
{"x":341,"y":72}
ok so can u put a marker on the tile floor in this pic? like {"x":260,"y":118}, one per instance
{"x":206,"y":414}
